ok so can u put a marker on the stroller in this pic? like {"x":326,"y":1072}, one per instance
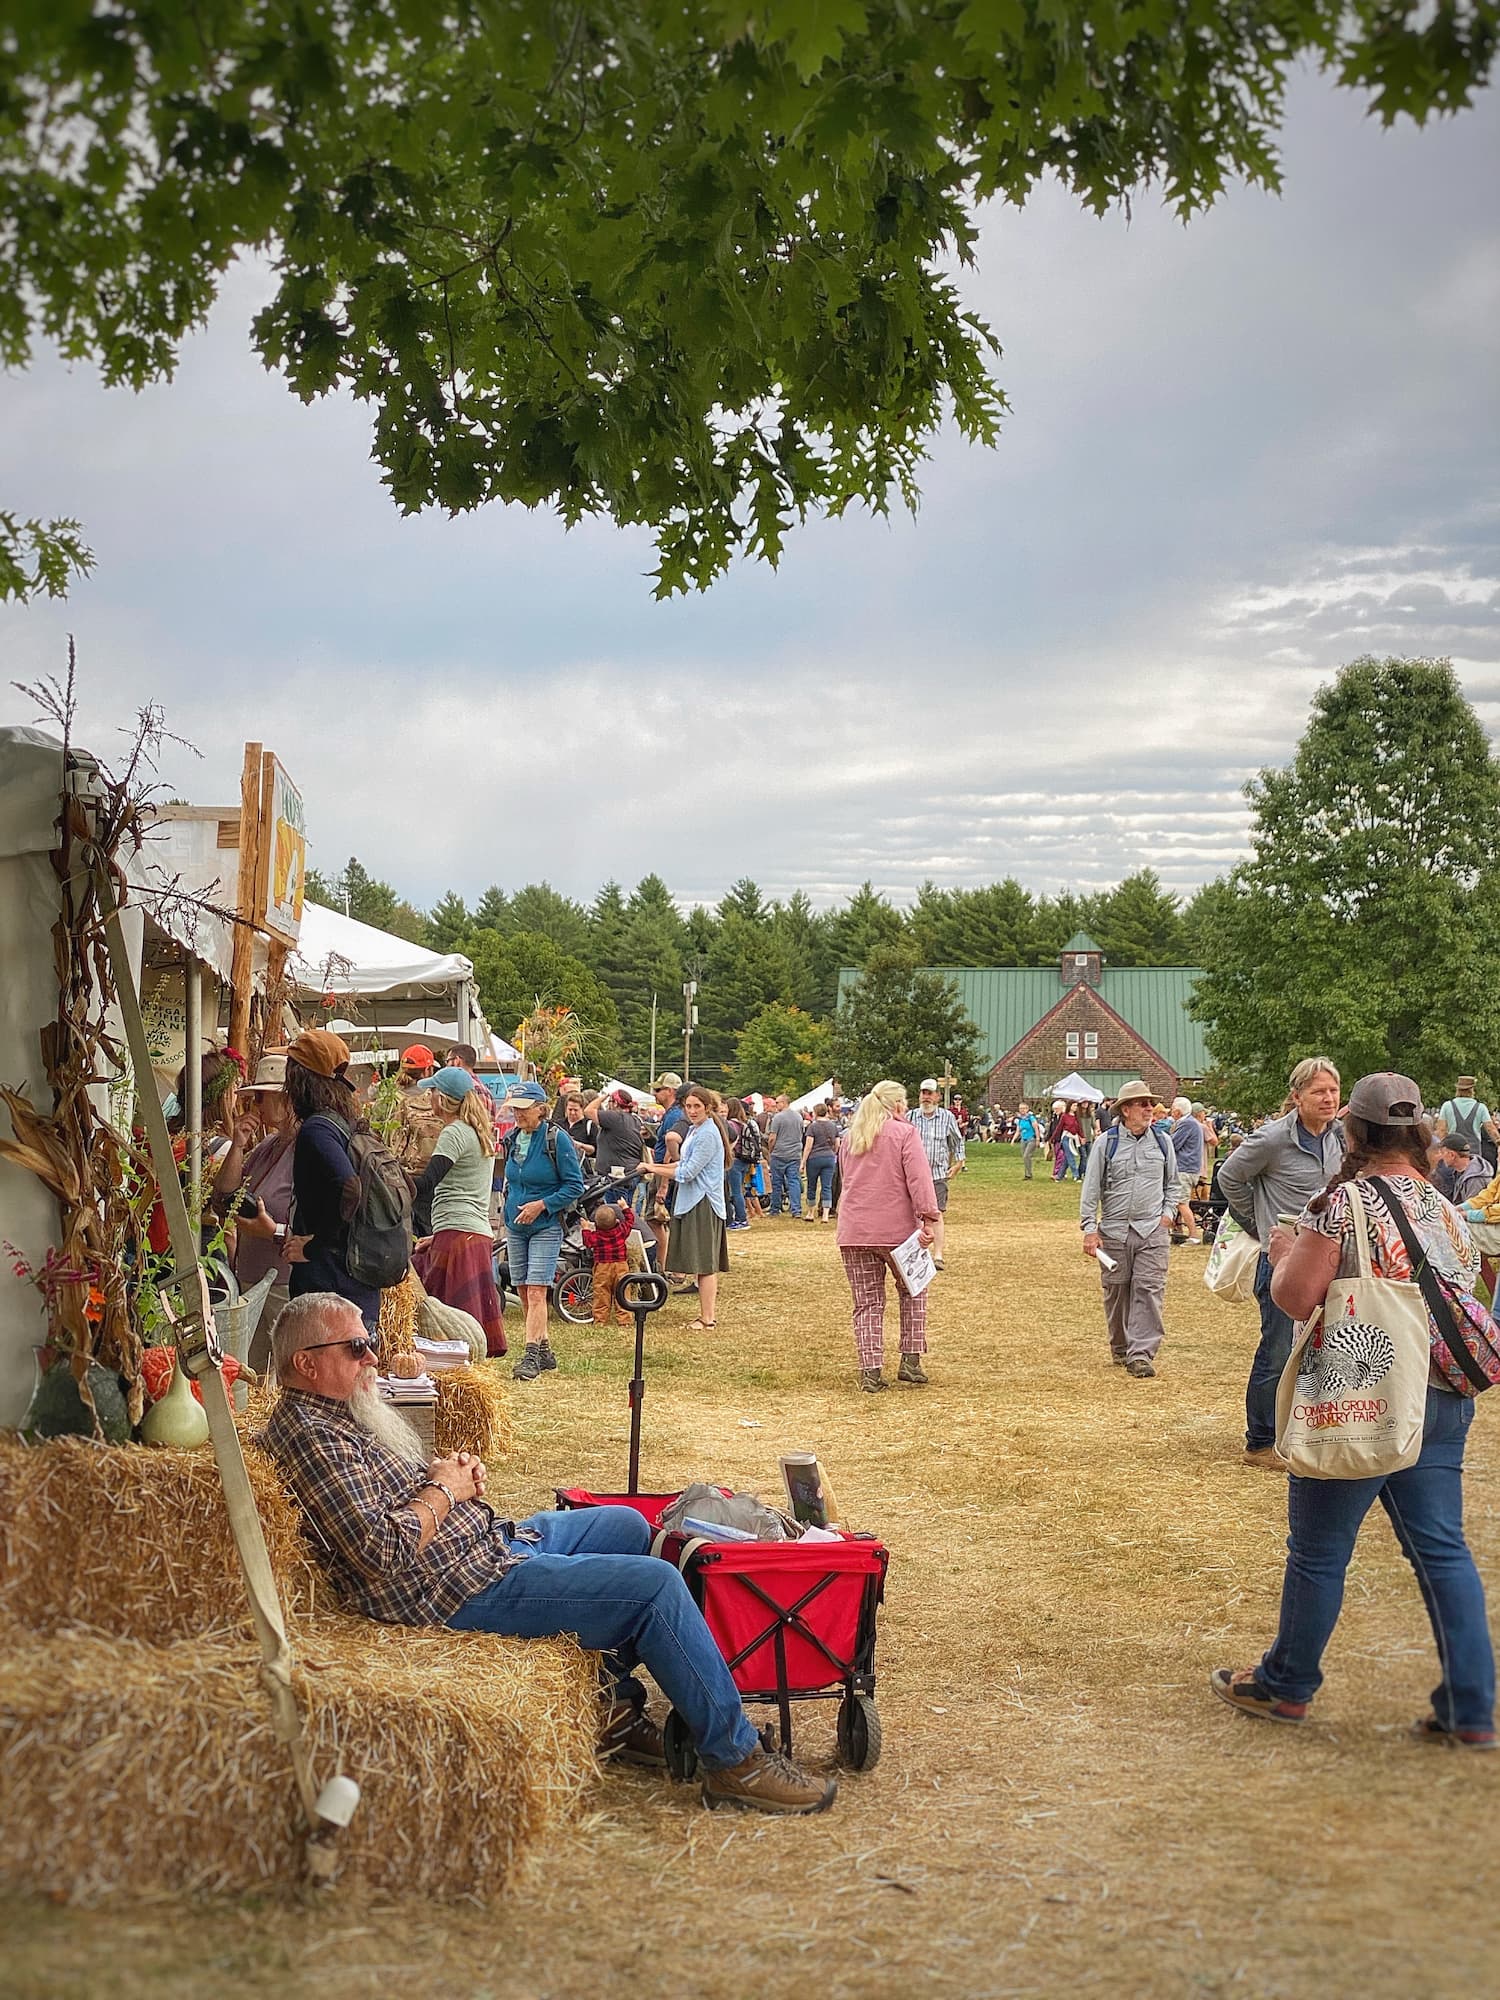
{"x":572,"y":1289}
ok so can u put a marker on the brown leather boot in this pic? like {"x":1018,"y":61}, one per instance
{"x":768,"y":1782}
{"x":629,"y":1736}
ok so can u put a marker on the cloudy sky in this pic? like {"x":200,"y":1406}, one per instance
{"x":1239,"y":454}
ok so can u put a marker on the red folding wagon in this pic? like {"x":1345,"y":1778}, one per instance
{"x":795,"y":1621}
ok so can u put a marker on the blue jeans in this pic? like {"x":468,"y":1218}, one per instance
{"x":592,"y":1576}
{"x":735,"y":1180}
{"x":1425,"y":1505}
{"x":533,"y":1258}
{"x":820,"y":1168}
{"x":1271,"y":1357}
{"x":786,"y":1185}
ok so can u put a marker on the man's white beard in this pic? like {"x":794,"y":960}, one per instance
{"x":379,"y":1420}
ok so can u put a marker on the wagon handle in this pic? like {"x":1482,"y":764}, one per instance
{"x":640,"y":1292}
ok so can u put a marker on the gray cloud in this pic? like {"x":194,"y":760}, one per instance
{"x":1239,"y":454}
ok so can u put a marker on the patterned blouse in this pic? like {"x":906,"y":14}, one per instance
{"x":1436,"y":1223}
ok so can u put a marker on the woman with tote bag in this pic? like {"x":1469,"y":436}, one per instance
{"x":1348,"y":1275}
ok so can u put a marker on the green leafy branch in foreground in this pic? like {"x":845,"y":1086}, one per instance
{"x":680,"y":263}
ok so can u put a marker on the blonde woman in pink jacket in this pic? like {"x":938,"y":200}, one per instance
{"x":885,"y":1194}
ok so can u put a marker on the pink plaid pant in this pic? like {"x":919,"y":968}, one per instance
{"x":867,"y":1270}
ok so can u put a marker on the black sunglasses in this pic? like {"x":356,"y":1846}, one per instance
{"x":361,"y":1345}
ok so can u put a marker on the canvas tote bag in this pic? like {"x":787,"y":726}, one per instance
{"x":1352,"y":1399}
{"x":1231,"y":1264}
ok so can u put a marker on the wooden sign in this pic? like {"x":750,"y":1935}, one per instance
{"x":281,"y":862}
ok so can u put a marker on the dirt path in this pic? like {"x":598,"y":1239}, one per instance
{"x":1061,"y":1805}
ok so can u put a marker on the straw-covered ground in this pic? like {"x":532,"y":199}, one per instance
{"x":1062,"y":1807}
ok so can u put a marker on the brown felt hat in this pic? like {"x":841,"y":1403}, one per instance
{"x":319,"y":1050}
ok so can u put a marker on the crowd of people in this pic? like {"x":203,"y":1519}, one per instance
{"x":487,"y":1172}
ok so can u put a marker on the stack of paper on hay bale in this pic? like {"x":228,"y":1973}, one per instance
{"x":136,"y":1748}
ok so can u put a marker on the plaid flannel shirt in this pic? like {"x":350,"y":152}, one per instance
{"x":356,"y":1497}
{"x":610,"y":1246}
{"x":942,"y":1141}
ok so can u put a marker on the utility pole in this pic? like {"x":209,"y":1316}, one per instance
{"x":651,"y":1073}
{"x":689,"y":1022}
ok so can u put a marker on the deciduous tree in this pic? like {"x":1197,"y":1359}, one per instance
{"x":1366,"y":923}
{"x":682,"y":263}
{"x":898,"y":1021}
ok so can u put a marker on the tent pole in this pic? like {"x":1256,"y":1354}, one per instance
{"x":192,"y":1088}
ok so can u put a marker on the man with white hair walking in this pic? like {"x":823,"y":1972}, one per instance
{"x":412,"y":1543}
{"x":1277,"y":1171}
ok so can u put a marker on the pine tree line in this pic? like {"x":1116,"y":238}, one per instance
{"x":767,"y":971}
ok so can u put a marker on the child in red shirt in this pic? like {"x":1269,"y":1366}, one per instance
{"x":608,"y":1239}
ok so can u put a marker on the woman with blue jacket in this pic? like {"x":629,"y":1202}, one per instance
{"x":542,"y":1179}
{"x":700,"y":1248}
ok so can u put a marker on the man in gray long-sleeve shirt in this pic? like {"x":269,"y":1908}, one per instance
{"x":1277,"y":1171}
{"x":1126,"y":1208}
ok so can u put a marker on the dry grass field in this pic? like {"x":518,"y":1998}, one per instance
{"x":1062,"y":1807}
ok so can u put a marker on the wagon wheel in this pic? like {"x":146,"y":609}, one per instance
{"x":859,"y":1732}
{"x":680,"y":1749}
{"x":575,"y":1298}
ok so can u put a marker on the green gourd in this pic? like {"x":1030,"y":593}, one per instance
{"x":178,"y":1418}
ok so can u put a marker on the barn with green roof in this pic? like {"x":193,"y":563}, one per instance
{"x":1037,"y":1023}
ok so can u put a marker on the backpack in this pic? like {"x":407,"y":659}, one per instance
{"x":747,"y":1146}
{"x":1112,"y":1146}
{"x":377,"y":1247}
{"x":550,"y":1142}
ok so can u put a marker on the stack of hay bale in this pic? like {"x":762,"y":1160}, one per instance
{"x":472,"y":1411}
{"x":136,"y":1747}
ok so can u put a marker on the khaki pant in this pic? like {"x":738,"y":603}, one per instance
{"x":606,"y":1277}
{"x":1133,"y":1292}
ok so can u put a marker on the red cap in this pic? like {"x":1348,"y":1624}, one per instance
{"x":418,"y":1057}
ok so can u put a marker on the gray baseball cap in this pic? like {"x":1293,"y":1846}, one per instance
{"x":1386,"y":1099}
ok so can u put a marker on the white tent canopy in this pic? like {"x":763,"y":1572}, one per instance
{"x":385,"y":975}
{"x":336,"y":954}
{"x":390,"y":1037}
{"x":1075,"y":1090}
{"x":824,"y":1094}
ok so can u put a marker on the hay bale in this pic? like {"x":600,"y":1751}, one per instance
{"x":137,"y":1769}
{"x":397,"y":1326}
{"x":133,"y":1541}
{"x":473,"y":1413}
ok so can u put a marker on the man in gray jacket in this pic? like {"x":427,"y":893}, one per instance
{"x":1126,"y":1208}
{"x":1277,"y":1171}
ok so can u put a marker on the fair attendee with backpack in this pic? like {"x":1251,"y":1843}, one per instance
{"x":456,"y":1261}
{"x":1380,"y":1196}
{"x":1277,"y":1171}
{"x":543,"y":1178}
{"x":350,"y":1230}
{"x":1126,"y":1209}
{"x":744,"y":1139}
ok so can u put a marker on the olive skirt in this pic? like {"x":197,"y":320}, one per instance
{"x":696,"y":1242}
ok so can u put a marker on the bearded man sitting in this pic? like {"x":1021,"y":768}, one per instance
{"x":412,"y":1543}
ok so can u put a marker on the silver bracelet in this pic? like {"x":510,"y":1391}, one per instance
{"x":429,"y":1510}
{"x":446,"y":1491}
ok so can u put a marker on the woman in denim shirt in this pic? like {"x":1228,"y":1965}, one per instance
{"x":700,"y":1248}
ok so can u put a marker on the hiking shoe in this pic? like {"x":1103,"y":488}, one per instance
{"x":629,"y":1736}
{"x":530,"y":1364}
{"x":872,"y":1379}
{"x":1239,"y":1687}
{"x":546,"y":1358}
{"x":1267,"y":1458}
{"x":1117,"y":1359}
{"x":911,"y":1370}
{"x":937,"y":1263}
{"x":1139,"y":1367}
{"x":1427,"y":1729}
{"x":767,"y":1782}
